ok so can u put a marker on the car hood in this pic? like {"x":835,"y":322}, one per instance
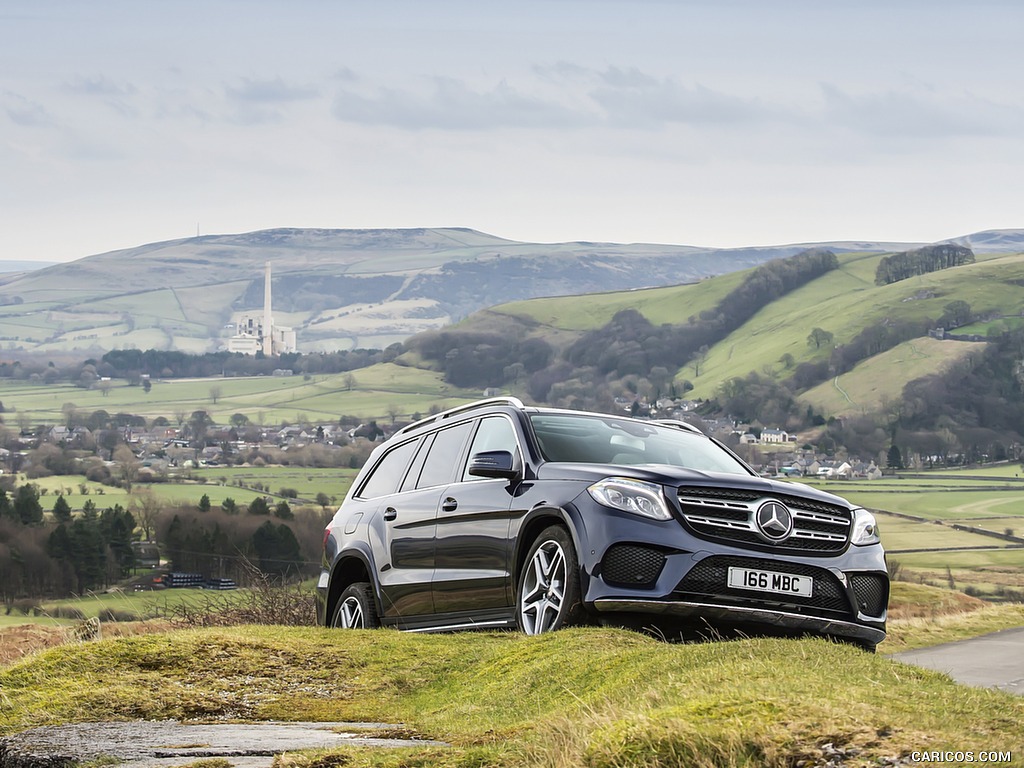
{"x":666,"y":474}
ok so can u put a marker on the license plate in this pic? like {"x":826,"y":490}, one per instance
{"x":769,"y":581}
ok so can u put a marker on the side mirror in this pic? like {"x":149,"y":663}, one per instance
{"x":494,"y":464}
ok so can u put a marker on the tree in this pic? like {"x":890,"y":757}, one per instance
{"x":147,"y":385}
{"x":894,"y":459}
{"x":61,"y":509}
{"x":239,"y":420}
{"x":277,"y":549}
{"x":283,"y":511}
{"x":204,"y":503}
{"x":26,"y":504}
{"x":697,"y":362}
{"x":128,"y":466}
{"x":323,"y":499}
{"x":956,"y":314}
{"x":146,"y":509}
{"x":6,"y":508}
{"x":215,"y":393}
{"x":259,"y":506}
{"x":819,"y":337}
{"x":230,"y":506}
{"x":198,"y":423}
{"x":349,"y":380}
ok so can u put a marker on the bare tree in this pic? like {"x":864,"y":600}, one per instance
{"x":145,"y":507}
{"x":697,"y":363}
{"x":127,"y":465}
{"x":215,"y":393}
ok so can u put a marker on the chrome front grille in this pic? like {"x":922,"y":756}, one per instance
{"x":726,"y":514}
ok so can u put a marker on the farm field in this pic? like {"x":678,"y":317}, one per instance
{"x":218,"y":483}
{"x":990,"y":498}
{"x":375,"y":392}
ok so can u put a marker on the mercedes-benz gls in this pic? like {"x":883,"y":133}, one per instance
{"x":496,"y":514}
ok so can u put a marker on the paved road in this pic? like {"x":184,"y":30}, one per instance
{"x":991,"y":661}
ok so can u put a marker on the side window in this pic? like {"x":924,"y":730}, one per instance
{"x":388,"y":473}
{"x":440,"y":466}
{"x":494,"y":434}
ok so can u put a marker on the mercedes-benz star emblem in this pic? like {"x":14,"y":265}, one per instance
{"x":774,"y":521}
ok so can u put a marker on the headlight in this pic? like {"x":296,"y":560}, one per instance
{"x":634,"y":496}
{"x":865,"y":529}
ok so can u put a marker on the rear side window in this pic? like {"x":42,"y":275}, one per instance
{"x":388,"y":473}
{"x":443,"y":457}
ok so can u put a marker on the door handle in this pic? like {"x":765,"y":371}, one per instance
{"x":450,"y":505}
{"x":390,"y":513}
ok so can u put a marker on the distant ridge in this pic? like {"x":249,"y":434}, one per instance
{"x":346,"y":288}
{"x":24,"y":266}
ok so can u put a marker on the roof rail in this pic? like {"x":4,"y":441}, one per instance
{"x":686,"y":427}
{"x":515,"y":402}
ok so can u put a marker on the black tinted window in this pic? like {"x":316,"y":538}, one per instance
{"x":440,"y":466}
{"x":389,"y":472}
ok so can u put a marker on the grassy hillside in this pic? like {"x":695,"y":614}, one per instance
{"x":575,"y":698}
{"x":872,"y":383}
{"x":842,"y":302}
{"x":845,"y":301}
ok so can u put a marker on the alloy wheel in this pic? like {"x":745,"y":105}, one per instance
{"x":543,"y":593}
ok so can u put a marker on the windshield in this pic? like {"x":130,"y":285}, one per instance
{"x":608,"y":440}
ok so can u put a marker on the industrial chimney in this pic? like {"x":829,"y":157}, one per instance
{"x":268,"y":320}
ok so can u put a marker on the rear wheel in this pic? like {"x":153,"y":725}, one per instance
{"x":356,"y":608}
{"x":548,"y":596}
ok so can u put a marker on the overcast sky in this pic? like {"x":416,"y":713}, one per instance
{"x":718,"y":123}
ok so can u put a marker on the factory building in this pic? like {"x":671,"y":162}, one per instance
{"x":256,"y":332}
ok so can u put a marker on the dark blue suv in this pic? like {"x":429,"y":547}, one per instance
{"x":497,"y":514}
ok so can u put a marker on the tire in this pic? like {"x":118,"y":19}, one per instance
{"x":356,"y":608}
{"x":548,"y":592}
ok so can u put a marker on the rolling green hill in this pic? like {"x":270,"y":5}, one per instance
{"x":843,"y":302}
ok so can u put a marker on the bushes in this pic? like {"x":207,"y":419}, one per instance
{"x":66,"y":612}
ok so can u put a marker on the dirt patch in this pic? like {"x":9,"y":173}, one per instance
{"x":23,"y":639}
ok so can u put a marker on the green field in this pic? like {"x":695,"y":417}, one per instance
{"x":672,"y":304}
{"x":989,"y":498}
{"x":263,"y":399}
{"x":218,"y":483}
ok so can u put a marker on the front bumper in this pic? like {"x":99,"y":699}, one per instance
{"x":738,"y":615}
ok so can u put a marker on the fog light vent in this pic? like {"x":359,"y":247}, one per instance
{"x":630,"y":565}
{"x":872,"y":591}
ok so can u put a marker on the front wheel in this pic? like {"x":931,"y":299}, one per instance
{"x":356,"y":608}
{"x":549,"y":584}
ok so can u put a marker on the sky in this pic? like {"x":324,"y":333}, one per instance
{"x":713,"y":123}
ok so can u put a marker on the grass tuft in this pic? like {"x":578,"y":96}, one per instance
{"x":577,"y":698}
